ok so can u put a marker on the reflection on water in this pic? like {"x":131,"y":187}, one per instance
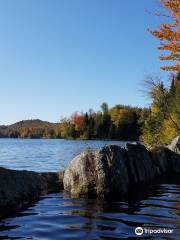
{"x":58,"y":217}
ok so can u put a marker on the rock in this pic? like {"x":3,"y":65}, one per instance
{"x":99,"y":174}
{"x":166,"y":160}
{"x":175,"y":145}
{"x":175,"y":162}
{"x":18,"y":189}
{"x":173,"y":159}
{"x":160,"y":159}
{"x":113,"y":170}
{"x":110,"y":171}
{"x":174,"y":155}
{"x":140,"y":166}
{"x":54,"y":180}
{"x":111,"y":175}
{"x":79,"y":177}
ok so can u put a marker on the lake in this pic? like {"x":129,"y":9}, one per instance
{"x":44,"y":154}
{"x":57,"y":217}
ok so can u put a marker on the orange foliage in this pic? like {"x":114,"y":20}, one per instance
{"x":78,"y":120}
{"x":169,"y":34}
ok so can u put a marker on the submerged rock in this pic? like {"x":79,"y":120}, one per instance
{"x":18,"y":189}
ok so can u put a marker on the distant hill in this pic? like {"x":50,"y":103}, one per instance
{"x":34,"y":128}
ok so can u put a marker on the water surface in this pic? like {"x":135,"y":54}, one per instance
{"x":56,"y":216}
{"x":43,"y":154}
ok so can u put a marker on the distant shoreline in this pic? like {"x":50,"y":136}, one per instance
{"x":95,"y":139}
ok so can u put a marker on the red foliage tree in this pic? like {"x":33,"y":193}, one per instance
{"x":78,"y":120}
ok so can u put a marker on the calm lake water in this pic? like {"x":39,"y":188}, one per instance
{"x":43,"y":154}
{"x":57,"y":217}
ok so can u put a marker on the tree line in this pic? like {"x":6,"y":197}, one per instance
{"x":119,"y":123}
{"x":31,"y":129}
{"x":161,"y":123}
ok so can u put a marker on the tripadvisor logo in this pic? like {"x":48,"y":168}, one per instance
{"x":139,"y":231}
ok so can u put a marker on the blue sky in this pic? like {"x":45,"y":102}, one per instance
{"x":59,"y":56}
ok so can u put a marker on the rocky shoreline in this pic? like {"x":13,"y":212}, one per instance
{"x":19,"y":189}
{"x":108,"y":173}
{"x":113,"y":171}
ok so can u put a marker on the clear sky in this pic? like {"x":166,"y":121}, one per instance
{"x":59,"y":56}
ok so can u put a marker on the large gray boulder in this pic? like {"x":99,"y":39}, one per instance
{"x":100,"y":174}
{"x":109,"y":171}
{"x":18,"y":189}
{"x":79,"y":177}
{"x":175,"y":145}
{"x":139,"y":164}
{"x":174,"y":154}
{"x":160,"y":159}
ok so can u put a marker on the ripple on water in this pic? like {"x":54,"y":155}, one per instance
{"x":58,"y":217}
{"x":43,"y":154}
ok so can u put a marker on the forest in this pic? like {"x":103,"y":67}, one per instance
{"x":119,"y":122}
{"x":162,"y":123}
{"x":155,"y":125}
{"x":31,"y":129}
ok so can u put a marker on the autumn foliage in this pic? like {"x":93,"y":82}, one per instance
{"x":162,"y":123}
{"x":31,"y":129}
{"x":78,"y":120}
{"x":169,"y":34}
{"x":119,"y":123}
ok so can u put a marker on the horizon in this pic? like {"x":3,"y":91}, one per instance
{"x":62,"y":57}
{"x":44,"y":120}
{"x":24,"y":120}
